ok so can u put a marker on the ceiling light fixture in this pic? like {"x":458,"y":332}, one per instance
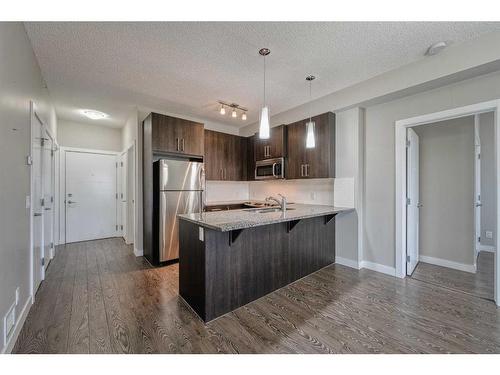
{"x":234,"y":109}
{"x":310,"y":138}
{"x":94,"y":115}
{"x":435,"y":48}
{"x":264,"y":114}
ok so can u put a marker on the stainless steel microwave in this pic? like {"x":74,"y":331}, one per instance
{"x":270,"y":169}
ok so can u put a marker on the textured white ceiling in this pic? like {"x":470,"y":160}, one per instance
{"x":186,"y":67}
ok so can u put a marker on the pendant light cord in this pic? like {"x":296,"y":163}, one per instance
{"x":264,"y":81}
{"x":310,"y":97}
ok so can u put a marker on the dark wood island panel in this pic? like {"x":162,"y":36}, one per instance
{"x":230,"y":269}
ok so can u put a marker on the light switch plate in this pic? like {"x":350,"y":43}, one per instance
{"x":489,"y":234}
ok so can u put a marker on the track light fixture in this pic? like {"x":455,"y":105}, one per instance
{"x":234,"y":109}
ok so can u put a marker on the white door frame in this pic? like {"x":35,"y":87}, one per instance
{"x":400,"y":137}
{"x":36,"y":120}
{"x":62,"y":183}
{"x":477,"y":189}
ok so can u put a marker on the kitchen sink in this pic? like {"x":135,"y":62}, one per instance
{"x":267,"y":210}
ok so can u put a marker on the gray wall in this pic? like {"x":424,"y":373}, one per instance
{"x":379,"y":236}
{"x":97,"y":137}
{"x":20,"y":82}
{"x":488,"y":218}
{"x":447,"y":190}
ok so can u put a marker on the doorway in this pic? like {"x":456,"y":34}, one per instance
{"x":406,"y":245}
{"x":442,"y":202}
{"x":90,"y":195}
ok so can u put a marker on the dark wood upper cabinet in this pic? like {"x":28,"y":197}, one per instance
{"x":317,"y":162}
{"x":175,"y":135}
{"x":274,"y":147}
{"x":225,"y":156}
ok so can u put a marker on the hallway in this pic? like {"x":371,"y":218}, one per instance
{"x":479,"y":284}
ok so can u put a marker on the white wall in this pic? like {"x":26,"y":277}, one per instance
{"x":83,"y":135}
{"x":379,"y":236}
{"x":446,"y":229}
{"x":20,"y":82}
{"x":488,"y":199}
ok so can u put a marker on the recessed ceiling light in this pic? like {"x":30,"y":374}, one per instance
{"x":435,"y":48}
{"x":94,"y":115}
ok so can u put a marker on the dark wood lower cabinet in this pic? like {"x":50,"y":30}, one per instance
{"x":230,"y":269}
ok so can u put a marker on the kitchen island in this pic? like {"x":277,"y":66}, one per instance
{"x":230,"y":258}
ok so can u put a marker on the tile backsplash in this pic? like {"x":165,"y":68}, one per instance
{"x":222,"y":191}
{"x":324,"y":191}
{"x":314,"y":191}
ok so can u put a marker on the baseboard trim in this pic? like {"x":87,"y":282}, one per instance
{"x":391,"y":271}
{"x":487,"y":248}
{"x":448,"y":263}
{"x":138,"y":252}
{"x":19,"y":324}
{"x":347,"y":262}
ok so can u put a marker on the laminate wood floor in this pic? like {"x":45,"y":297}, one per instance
{"x":99,"y":298}
{"x":480,"y":284}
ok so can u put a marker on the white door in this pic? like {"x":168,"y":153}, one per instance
{"x":412,"y":202}
{"x":477,"y":188}
{"x":90,"y":196}
{"x":48,"y":197}
{"x":36,"y":202}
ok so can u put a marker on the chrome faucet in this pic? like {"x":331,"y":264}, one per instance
{"x":281,"y":203}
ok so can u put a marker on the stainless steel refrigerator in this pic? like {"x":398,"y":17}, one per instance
{"x":180,"y":191}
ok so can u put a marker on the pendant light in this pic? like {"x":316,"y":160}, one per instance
{"x":264,"y":114}
{"x":310,"y":138}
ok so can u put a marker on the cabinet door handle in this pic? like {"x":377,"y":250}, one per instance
{"x":177,"y":144}
{"x":182,"y":144}
{"x":307,"y":170}
{"x":221,"y":174}
{"x":302,"y":170}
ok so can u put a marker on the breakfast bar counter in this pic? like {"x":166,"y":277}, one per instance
{"x":230,"y":258}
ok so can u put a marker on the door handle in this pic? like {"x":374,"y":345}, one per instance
{"x":479,"y":204}
{"x":69,"y":202}
{"x":274,"y":166}
{"x":420,"y":205}
{"x":37,"y":214}
{"x":47,"y":208}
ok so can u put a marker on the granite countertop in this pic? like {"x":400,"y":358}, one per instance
{"x":225,"y":221}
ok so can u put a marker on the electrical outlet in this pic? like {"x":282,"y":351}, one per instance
{"x":489,"y":234}
{"x":9,"y":321}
